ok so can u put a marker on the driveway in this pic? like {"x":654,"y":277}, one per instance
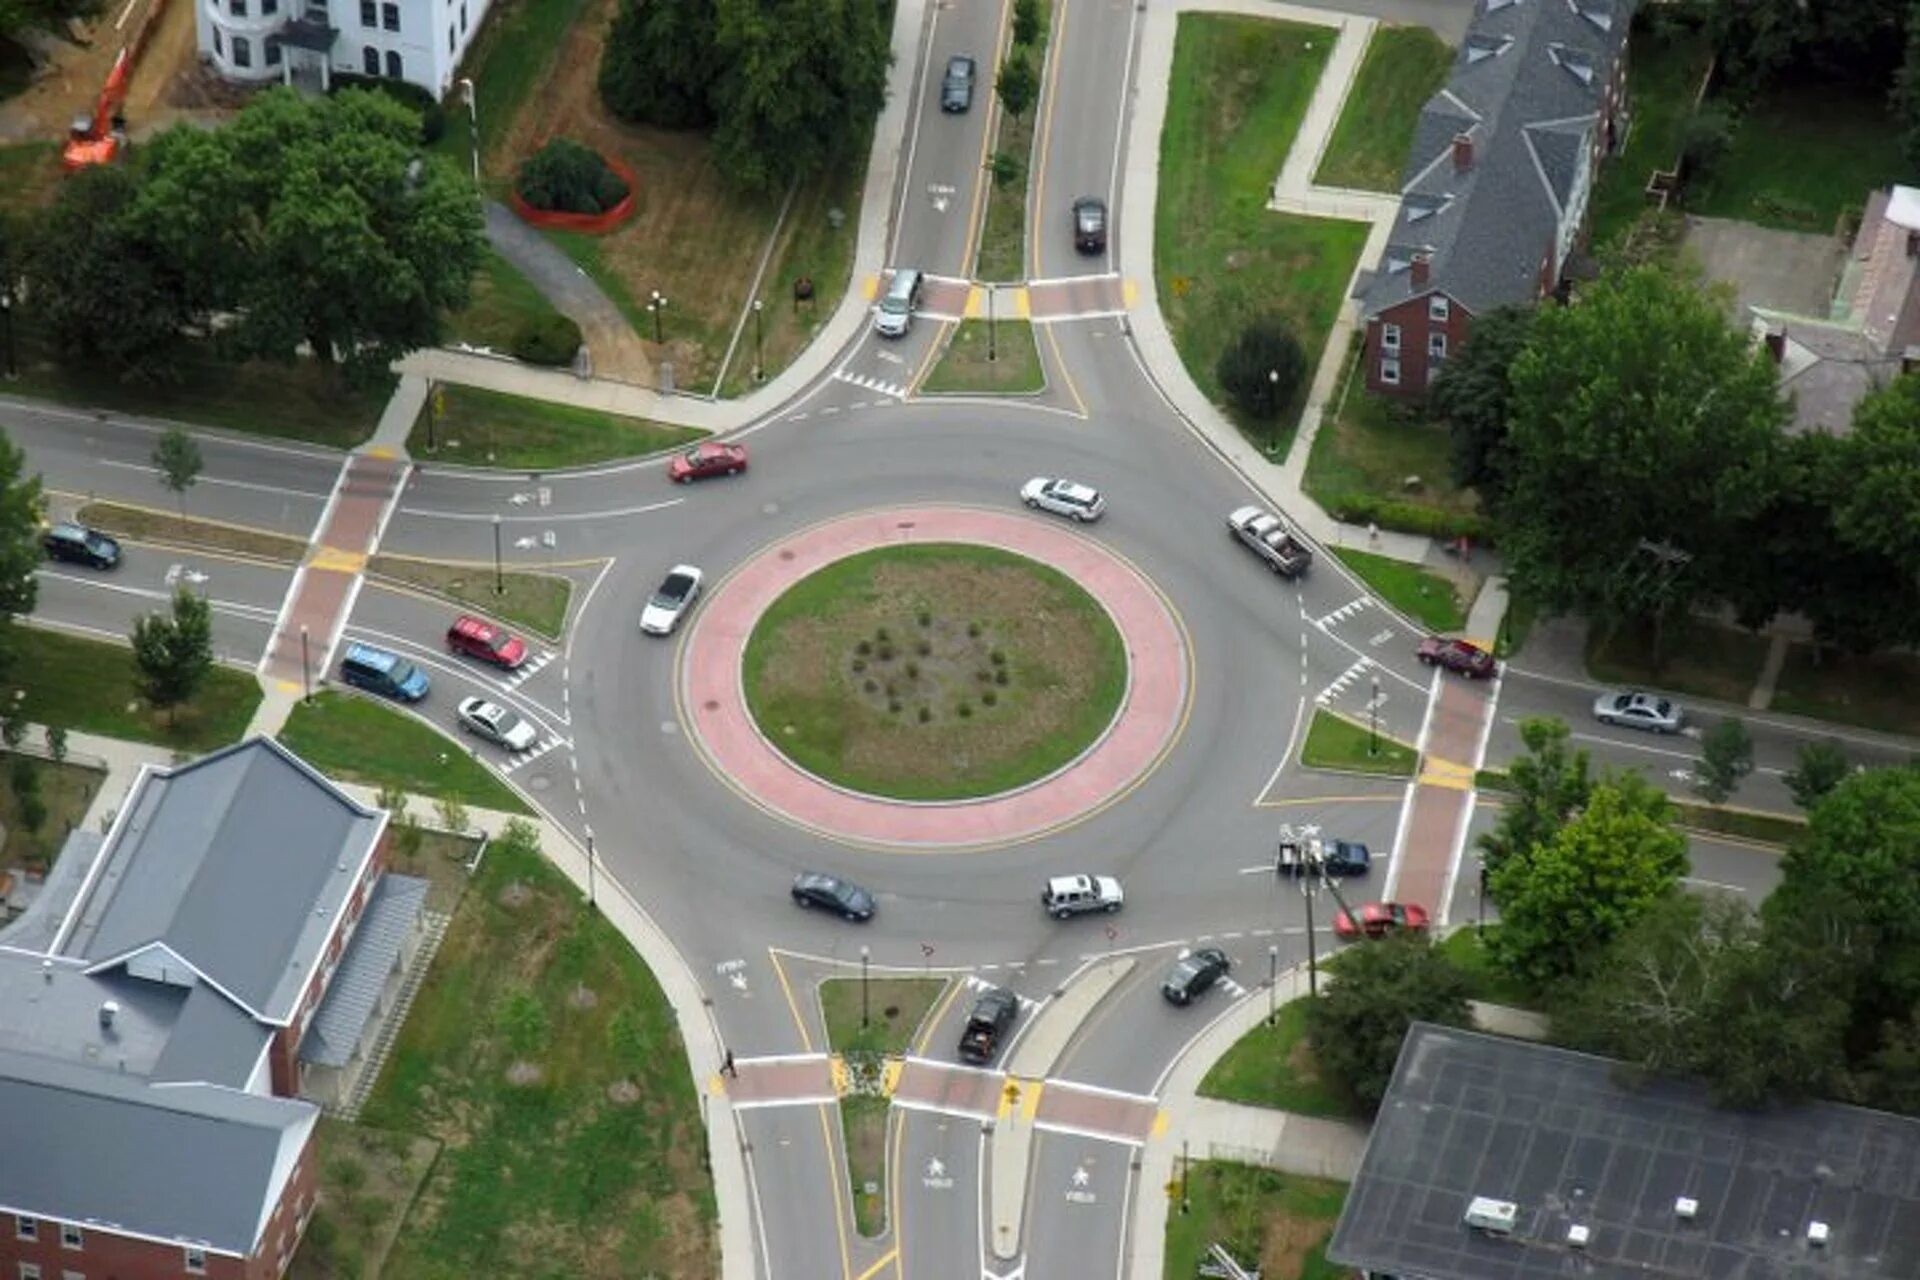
{"x":1790,"y":271}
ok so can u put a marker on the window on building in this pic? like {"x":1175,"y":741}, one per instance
{"x":369,"y":13}
{"x":29,"y":1271}
{"x":1390,"y":373}
{"x":26,"y":1228}
{"x":1437,"y":346}
{"x":370,"y":60}
{"x":395,"y":68}
{"x":219,"y":49}
{"x":242,"y":52}
{"x":273,"y":52}
{"x":196,"y":1260}
{"x":1438,"y":308}
{"x":390,"y":16}
{"x":1389,"y":337}
{"x":463,"y":19}
{"x":72,"y":1237}
{"x":449,"y":37}
{"x":269,"y":7}
{"x":238,"y":8}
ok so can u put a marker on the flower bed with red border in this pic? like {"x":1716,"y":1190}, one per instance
{"x":590,"y":223}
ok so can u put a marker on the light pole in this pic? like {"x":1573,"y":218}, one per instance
{"x":759,"y":362}
{"x":992,"y":350}
{"x":656,"y":305}
{"x":1373,"y":720}
{"x":473,"y":122}
{"x":306,"y":670}
{"x":1480,"y":907}
{"x":592,"y":903}
{"x":865,"y":955}
{"x":499,"y":583}
{"x":1313,"y":957}
{"x":6,"y":312}
{"x":1273,"y":390}
{"x":1273,"y":978}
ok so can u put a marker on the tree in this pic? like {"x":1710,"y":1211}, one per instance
{"x":1374,"y":994}
{"x":1472,"y":398}
{"x":1726,"y":756}
{"x":1776,"y":1015}
{"x":21,"y":505}
{"x":177,"y":459}
{"x":1006,"y":168}
{"x":1704,"y":139}
{"x":1852,"y":40}
{"x":660,"y":63}
{"x":1549,"y":784}
{"x":1640,"y":436}
{"x":1905,"y":98}
{"x":1879,"y":506}
{"x":56,"y":743}
{"x":1561,"y":904}
{"x":174,"y":651}
{"x":1822,"y":766}
{"x":1262,"y":368}
{"x":1019,"y":83}
{"x":1026,"y":21}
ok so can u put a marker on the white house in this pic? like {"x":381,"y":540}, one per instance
{"x":304,"y":42}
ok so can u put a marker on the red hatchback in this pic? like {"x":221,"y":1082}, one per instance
{"x":709,"y":459}
{"x":478,"y":638}
{"x":1459,"y":657}
{"x":1378,"y":919}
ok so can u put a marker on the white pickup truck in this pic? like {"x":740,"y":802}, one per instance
{"x":1268,"y":537}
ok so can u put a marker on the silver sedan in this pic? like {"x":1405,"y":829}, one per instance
{"x":1638,"y":710}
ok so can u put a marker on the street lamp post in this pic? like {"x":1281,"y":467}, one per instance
{"x":865,"y":955}
{"x":6,"y":313}
{"x":1313,"y":956}
{"x":1273,"y":978}
{"x":1273,"y":389}
{"x":473,"y":120}
{"x":759,"y":352}
{"x":592,"y":903}
{"x":306,"y":669}
{"x":656,"y":306}
{"x":1373,"y":720}
{"x":1480,"y":906}
{"x":992,"y":348}
{"x":499,"y":582}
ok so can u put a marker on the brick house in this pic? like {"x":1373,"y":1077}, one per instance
{"x":162,"y":1003}
{"x":1494,"y":196}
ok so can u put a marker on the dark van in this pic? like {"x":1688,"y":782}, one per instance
{"x":387,"y":674}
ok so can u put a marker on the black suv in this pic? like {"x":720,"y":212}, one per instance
{"x":1193,"y":974}
{"x":1090,"y":225}
{"x":81,"y":545}
{"x":992,"y":1017}
{"x":956,"y":87}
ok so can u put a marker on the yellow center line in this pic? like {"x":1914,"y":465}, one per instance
{"x":834,"y":1178}
{"x":1060,"y":363}
{"x":933,"y":1018}
{"x":926,"y":364}
{"x":793,"y":1006}
{"x":892,"y":1255}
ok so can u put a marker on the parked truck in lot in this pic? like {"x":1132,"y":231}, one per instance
{"x":1267,"y":536}
{"x":988,"y":1022}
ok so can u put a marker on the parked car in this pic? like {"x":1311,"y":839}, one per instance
{"x":80,"y":545}
{"x":1328,"y":857}
{"x":709,"y":458}
{"x":1194,"y":973}
{"x":1267,"y":536}
{"x":1063,"y":498}
{"x":830,"y":893}
{"x":988,"y":1022}
{"x":387,"y":674}
{"x":478,"y":638}
{"x":1090,"y":224}
{"x":667,"y":605}
{"x":1638,"y":710}
{"x":1462,"y":657}
{"x":956,"y":86}
{"x":1378,"y":919}
{"x":1075,"y":895}
{"x":496,"y":724}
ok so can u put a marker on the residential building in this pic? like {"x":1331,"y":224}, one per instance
{"x":230,"y":943}
{"x":307,"y":42}
{"x":1494,"y":196}
{"x":1493,"y":1157}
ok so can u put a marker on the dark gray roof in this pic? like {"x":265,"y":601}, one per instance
{"x":1560,"y":1136}
{"x":239,"y":864}
{"x":354,"y":991}
{"x":1527,"y":87}
{"x":214,"y":1041}
{"x":192,"y":1163}
{"x":50,"y":1006}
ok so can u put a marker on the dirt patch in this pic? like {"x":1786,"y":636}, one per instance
{"x":168,"y":82}
{"x":515,"y":896}
{"x":582,"y":998}
{"x":524,"y":1073}
{"x":623,"y":1093}
{"x":1287,"y":1240}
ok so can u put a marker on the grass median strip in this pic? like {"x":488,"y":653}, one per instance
{"x":479,"y":428}
{"x":1422,"y":595}
{"x":536,"y":601}
{"x":894,"y":1008}
{"x":1014,"y":368}
{"x":142,"y":524}
{"x":1335,"y":742}
{"x":89,"y":685}
{"x":358,"y":740}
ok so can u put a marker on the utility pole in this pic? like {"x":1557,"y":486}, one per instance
{"x":306,"y":669}
{"x":1273,"y":979}
{"x":592,"y":903}
{"x":499,"y":582}
{"x":866,"y":954}
{"x":473,"y":118}
{"x":759,"y":362}
{"x":992,"y":350}
{"x":1373,"y":720}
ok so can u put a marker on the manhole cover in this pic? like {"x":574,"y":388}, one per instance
{"x":906,"y":524}
{"x":786,"y":555}
{"x":710,"y":705}
{"x":539,"y":782}
{"x":770,"y":509}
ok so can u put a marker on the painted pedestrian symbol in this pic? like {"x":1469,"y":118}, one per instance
{"x":936,"y":1177}
{"x":1078,"y":1193}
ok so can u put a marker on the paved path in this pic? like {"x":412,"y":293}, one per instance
{"x":713,"y":706}
{"x":617,"y":351}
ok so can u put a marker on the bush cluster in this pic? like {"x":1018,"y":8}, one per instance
{"x":566,"y":177}
{"x":551,"y":339}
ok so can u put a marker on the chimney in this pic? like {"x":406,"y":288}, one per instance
{"x":1421,"y":261}
{"x":1462,"y":151}
{"x":1776,"y":340}
{"x":1913,"y":244}
{"x":108,"y":1012}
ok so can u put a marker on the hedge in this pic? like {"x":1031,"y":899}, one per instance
{"x":1408,"y":517}
{"x":549,"y":339}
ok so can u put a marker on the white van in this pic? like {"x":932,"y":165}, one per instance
{"x":895,"y":315}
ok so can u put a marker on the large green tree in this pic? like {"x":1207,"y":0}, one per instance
{"x":1641,"y":433}
{"x":1879,"y":506}
{"x":1548,"y":785}
{"x":1373,"y":995}
{"x":1472,"y":398}
{"x":660,"y":63}
{"x":21,"y":507}
{"x":173,"y":651}
{"x":1857,"y":41}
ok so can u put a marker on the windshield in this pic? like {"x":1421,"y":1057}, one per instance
{"x":894,"y":306}
{"x":405,"y":673}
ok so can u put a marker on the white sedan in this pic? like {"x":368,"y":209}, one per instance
{"x":496,"y":724}
{"x":670,"y":603}
{"x":1063,"y":498}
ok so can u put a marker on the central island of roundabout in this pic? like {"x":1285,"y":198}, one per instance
{"x":934,"y":678}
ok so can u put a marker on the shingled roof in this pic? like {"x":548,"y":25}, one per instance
{"x":1527,"y":93}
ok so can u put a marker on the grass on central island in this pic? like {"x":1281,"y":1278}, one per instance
{"x":358,"y":740}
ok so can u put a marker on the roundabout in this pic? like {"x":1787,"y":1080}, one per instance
{"x":1088,"y":692}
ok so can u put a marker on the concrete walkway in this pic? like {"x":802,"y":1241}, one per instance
{"x":616,"y":350}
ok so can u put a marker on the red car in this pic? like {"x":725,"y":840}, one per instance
{"x":709,"y":459}
{"x":1378,"y":919}
{"x":478,"y":638}
{"x":1459,"y":657}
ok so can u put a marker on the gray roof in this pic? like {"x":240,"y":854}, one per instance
{"x":354,"y":991}
{"x":1826,"y":369}
{"x":239,"y":864}
{"x":181,"y":1162}
{"x":50,"y":1006}
{"x":1558,"y":1134}
{"x":1528,"y":87}
{"x":214,"y":1041}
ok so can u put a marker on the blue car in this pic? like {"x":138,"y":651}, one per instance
{"x":387,"y":674}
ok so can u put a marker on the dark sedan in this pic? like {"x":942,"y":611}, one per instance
{"x":1090,"y":225}
{"x":956,"y":87}
{"x":830,"y":893}
{"x":1194,"y":973}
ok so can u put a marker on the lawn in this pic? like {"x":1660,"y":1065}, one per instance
{"x":1701,"y":658}
{"x":536,"y":601}
{"x":357,"y":739}
{"x":1874,"y":692}
{"x":1419,"y":593}
{"x":512,"y":54}
{"x":1515,"y":625}
{"x":1366,"y":461}
{"x":367,"y":1178}
{"x":964,"y":367}
{"x":65,"y":790}
{"x":1239,"y":88}
{"x":1335,"y":742}
{"x":1664,"y":69}
{"x":895,"y":1007}
{"x":1275,"y":1223}
{"x":1802,"y":156}
{"x":1486,"y":981}
{"x":491,"y":429}
{"x":934,"y":672}
{"x":545,"y":1059}
{"x":504,"y":302}
{"x":1404,"y":67}
{"x":77,"y":683}
{"x":1273,"y":1066}
{"x":142,"y":524}
{"x":1777,"y":829}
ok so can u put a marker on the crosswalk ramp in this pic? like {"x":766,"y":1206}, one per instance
{"x":1344,"y":612}
{"x":1341,"y":681}
{"x":522,"y":759}
{"x":880,"y":386}
{"x":529,"y":669}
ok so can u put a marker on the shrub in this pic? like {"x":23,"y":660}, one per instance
{"x":973,"y":630}
{"x":926,"y":618}
{"x":965,"y":710}
{"x":926,"y":714}
{"x":550,"y":339}
{"x":883,"y":635}
{"x":893,"y":705}
{"x":859,"y":665}
{"x":998,"y":658}
{"x":886,"y":653}
{"x":565,"y":177}
{"x":1262,"y":368}
{"x":433,"y":116}
{"x":989,"y":698}
{"x":864,"y":648}
{"x":913,"y":670}
{"x":870,"y":685}
{"x":1704,"y":139}
{"x":923,"y":648}
{"x":1000,"y":676}
{"x":1408,"y":517}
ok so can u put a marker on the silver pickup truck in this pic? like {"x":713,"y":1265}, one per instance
{"x":1268,"y":537}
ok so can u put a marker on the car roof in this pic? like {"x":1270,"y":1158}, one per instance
{"x":960,"y":62}
{"x":1071,"y":489}
{"x":683,"y":570}
{"x":1070,"y":884}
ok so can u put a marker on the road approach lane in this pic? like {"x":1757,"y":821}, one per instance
{"x":939,"y":1175}
{"x":1083,"y":111}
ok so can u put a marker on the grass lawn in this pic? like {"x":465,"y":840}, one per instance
{"x":1515,"y":625}
{"x":512,"y":54}
{"x":1404,"y":66}
{"x":1272,"y":1066}
{"x":896,"y":1007}
{"x":1874,"y":692}
{"x":504,"y":301}
{"x":545,"y":1059}
{"x":934,"y":671}
{"x":1664,"y":69}
{"x":1419,"y":593}
{"x":1335,"y":742}
{"x":1003,"y":237}
{"x":1747,"y":824}
{"x":1802,"y":155}
{"x":358,"y":740}
{"x":65,"y":791}
{"x":367,"y":1178}
{"x":1014,"y":370}
{"x":142,"y":524}
{"x":491,"y":429}
{"x":1486,"y":981}
{"x":1702,"y":659}
{"x":84,"y":684}
{"x":536,"y":601}
{"x":1239,"y":88}
{"x":1276,"y":1223}
{"x":1371,"y":449}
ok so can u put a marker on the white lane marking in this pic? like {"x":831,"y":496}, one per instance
{"x":487,"y":517}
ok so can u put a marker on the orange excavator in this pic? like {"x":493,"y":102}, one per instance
{"x":100,"y":137}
